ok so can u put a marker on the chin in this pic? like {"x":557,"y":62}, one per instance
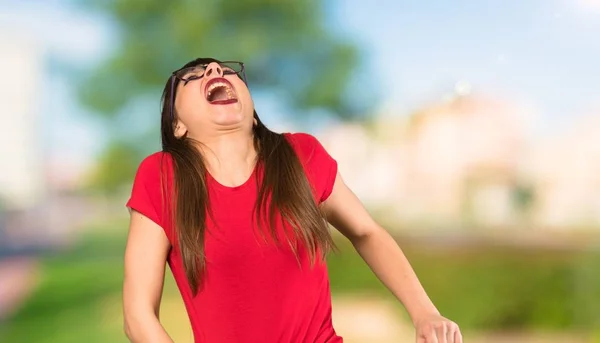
{"x":230,"y":114}
{"x":229,"y":119}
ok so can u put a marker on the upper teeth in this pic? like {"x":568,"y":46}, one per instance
{"x":220,"y":84}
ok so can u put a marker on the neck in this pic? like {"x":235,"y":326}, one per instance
{"x":229,"y":155}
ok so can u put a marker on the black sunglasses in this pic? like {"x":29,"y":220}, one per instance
{"x":197,"y":72}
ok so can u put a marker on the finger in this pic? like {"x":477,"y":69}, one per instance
{"x":438,"y":334}
{"x":458,"y":337}
{"x":450,"y":331}
{"x":427,"y":336}
{"x":432,"y":336}
{"x":443,"y":334}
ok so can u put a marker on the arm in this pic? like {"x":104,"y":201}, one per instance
{"x":385,"y":258}
{"x":145,"y":257}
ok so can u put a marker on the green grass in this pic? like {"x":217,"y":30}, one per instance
{"x":493,"y":288}
{"x":67,"y":306}
{"x":348,"y":273}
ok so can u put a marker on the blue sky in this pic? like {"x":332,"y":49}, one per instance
{"x":540,"y":53}
{"x":543,"y":52}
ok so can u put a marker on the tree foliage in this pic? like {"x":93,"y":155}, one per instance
{"x":115,"y":167}
{"x":285,"y":44}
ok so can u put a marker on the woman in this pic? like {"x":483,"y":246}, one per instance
{"x":240,"y":214}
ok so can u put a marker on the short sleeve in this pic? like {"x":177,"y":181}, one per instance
{"x":319,"y":166}
{"x":146,"y":192}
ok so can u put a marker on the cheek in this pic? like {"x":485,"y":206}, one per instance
{"x":247,"y":99}
{"x":244,"y":93}
{"x":189,"y":104}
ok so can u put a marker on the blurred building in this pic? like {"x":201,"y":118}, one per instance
{"x":463,"y":159}
{"x":371,"y":168}
{"x":21,"y":170}
{"x":455,"y":162}
{"x":566,"y":170}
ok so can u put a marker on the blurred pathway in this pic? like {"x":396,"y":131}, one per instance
{"x":361,"y":319}
{"x":18,"y":277}
{"x":370,"y":319}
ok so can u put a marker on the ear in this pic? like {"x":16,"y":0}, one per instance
{"x":255,"y":122}
{"x":180,"y":129}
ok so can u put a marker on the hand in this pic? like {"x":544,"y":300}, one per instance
{"x":437,"y":329}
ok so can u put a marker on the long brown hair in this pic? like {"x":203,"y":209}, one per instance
{"x":284,"y":192}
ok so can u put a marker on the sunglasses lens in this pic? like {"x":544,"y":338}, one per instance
{"x":192,"y":72}
{"x":231,"y":67}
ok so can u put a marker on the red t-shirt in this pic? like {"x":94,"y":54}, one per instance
{"x":252,"y":291}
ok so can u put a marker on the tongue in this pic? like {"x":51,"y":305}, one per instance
{"x":220,"y":94}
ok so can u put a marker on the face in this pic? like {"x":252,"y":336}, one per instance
{"x":211,"y":98}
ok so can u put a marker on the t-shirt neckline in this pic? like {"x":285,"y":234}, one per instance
{"x":243,"y":185}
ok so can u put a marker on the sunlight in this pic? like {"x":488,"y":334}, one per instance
{"x":593,"y":5}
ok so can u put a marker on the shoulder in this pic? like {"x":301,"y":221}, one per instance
{"x":301,"y":138}
{"x":155,"y":159}
{"x":320,"y":167}
{"x":306,"y":145}
{"x":148,"y":195}
{"x":154,"y":163}
{"x":154,"y":176}
{"x":154,"y":170}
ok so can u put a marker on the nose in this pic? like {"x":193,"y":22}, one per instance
{"x":213,"y":70}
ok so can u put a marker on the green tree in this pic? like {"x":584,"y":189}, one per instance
{"x":286,"y":45}
{"x":118,"y":161}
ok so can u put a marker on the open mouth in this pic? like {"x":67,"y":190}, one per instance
{"x":219,"y":91}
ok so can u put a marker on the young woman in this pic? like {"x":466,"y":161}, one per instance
{"x":240,"y":214}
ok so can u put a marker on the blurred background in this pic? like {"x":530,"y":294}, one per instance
{"x":469,"y":128}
